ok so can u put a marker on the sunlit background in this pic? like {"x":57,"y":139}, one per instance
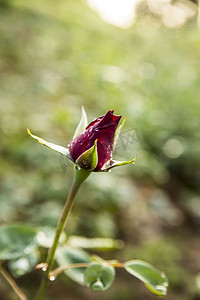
{"x":119,"y":13}
{"x":122,"y":13}
{"x":140,"y":58}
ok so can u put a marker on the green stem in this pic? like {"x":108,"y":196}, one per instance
{"x":80,"y":176}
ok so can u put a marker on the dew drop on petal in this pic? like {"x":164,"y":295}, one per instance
{"x":77,"y":167}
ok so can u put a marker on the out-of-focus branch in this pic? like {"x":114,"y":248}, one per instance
{"x":13,"y":284}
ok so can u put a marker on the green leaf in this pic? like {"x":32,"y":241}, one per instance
{"x":94,"y":243}
{"x":154,"y":280}
{"x":45,"y":236}
{"x":99,"y":276}
{"x":67,"y":255}
{"x":24,"y":264}
{"x":81,"y":125}
{"x":52,"y":146}
{"x":88,"y":159}
{"x":16,"y":241}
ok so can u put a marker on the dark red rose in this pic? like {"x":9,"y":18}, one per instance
{"x":101,"y":129}
{"x":92,"y":148}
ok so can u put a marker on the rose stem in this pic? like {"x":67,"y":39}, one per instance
{"x":79,"y":177}
{"x":12,"y":283}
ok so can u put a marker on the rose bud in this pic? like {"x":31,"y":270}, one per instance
{"x":101,"y":129}
{"x":92,"y":145}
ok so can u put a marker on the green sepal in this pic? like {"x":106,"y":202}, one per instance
{"x":52,"y":146}
{"x":82,"y":124}
{"x":154,"y":280}
{"x":88,"y":159}
{"x":114,"y":163}
{"x":117,"y":133}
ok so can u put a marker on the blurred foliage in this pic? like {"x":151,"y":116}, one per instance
{"x":55,"y":57}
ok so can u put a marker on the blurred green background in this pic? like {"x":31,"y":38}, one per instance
{"x":58,"y":55}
